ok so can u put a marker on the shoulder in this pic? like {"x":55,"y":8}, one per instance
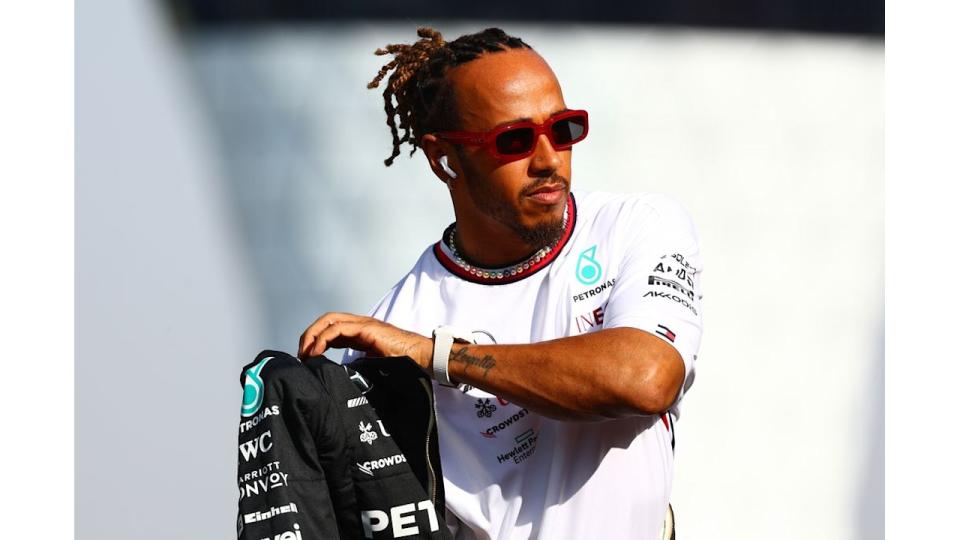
{"x":638,"y":212}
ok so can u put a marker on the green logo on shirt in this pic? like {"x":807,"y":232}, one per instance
{"x":253,"y":390}
{"x":588,"y":269}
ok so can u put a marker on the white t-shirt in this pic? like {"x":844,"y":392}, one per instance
{"x":624,"y":261}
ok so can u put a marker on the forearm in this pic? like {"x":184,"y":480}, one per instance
{"x":606,"y":374}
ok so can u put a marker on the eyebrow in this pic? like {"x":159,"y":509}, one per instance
{"x":528,"y":119}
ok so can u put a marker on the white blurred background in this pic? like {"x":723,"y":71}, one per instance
{"x":231,"y":188}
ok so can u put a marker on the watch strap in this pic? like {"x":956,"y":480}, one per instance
{"x":443,"y":339}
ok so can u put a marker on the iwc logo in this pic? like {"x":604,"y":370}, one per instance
{"x":253,"y":389}
{"x":588,"y":269}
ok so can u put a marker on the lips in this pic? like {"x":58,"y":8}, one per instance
{"x":548,"y":194}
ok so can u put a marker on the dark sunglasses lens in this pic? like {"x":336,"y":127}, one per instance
{"x":569,"y":130}
{"x":515,"y":141}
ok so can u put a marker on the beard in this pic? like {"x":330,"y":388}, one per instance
{"x":544,"y":233}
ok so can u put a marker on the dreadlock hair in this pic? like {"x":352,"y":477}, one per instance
{"x":424,"y":97}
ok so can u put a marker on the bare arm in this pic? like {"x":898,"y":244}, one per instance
{"x":605,"y":374}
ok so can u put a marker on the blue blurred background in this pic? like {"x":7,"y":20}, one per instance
{"x":231,"y":188}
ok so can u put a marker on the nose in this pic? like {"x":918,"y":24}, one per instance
{"x":545,"y":160}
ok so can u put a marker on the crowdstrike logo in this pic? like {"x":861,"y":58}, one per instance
{"x":491,"y":432}
{"x":589,"y":270}
{"x":367,"y":467}
{"x":253,"y":389}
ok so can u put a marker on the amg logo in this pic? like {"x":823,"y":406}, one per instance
{"x":368,"y":467}
{"x":356,"y":402}
{"x":654,"y":280}
{"x":254,"y":517}
{"x":251,"y":448}
{"x":402,"y":517}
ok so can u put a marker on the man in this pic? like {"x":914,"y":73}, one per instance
{"x":586,"y":306}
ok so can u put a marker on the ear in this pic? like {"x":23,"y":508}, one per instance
{"x":433,"y":148}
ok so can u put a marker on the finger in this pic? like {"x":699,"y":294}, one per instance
{"x":339,"y":334}
{"x":309,"y":337}
{"x":310,"y":334}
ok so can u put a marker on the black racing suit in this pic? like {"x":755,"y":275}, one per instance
{"x":330,"y":451}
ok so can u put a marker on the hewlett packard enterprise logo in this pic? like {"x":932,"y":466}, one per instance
{"x":253,"y":389}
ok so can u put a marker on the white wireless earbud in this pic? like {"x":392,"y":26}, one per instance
{"x":446,"y":167}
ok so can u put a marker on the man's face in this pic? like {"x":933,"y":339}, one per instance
{"x":526,"y":196}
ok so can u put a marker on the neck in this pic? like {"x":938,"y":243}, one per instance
{"x":492,"y":247}
{"x":488,"y":243}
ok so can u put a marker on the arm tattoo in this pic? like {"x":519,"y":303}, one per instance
{"x":486,"y":363}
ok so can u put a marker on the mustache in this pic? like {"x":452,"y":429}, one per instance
{"x":554,"y":178}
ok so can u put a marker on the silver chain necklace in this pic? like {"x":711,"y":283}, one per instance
{"x":501,"y":273}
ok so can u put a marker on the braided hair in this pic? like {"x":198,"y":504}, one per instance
{"x":424,"y":97}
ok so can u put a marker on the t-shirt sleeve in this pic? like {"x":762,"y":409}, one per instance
{"x":658,"y":287}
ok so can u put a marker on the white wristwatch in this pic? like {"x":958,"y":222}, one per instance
{"x":443,"y":338}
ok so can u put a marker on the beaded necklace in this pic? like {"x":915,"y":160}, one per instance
{"x":500,"y":273}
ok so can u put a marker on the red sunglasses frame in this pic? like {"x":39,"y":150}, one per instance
{"x":488,"y":139}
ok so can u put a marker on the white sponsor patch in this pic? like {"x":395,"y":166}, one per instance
{"x":254,"y":517}
{"x":356,"y":402}
{"x":367,"y":467}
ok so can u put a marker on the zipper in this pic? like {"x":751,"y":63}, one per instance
{"x":433,"y":415}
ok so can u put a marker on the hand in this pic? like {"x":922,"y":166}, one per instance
{"x":374,"y":337}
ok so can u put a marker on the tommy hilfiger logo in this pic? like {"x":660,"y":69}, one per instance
{"x":666,"y":332}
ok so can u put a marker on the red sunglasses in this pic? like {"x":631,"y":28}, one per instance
{"x":517,"y":141}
